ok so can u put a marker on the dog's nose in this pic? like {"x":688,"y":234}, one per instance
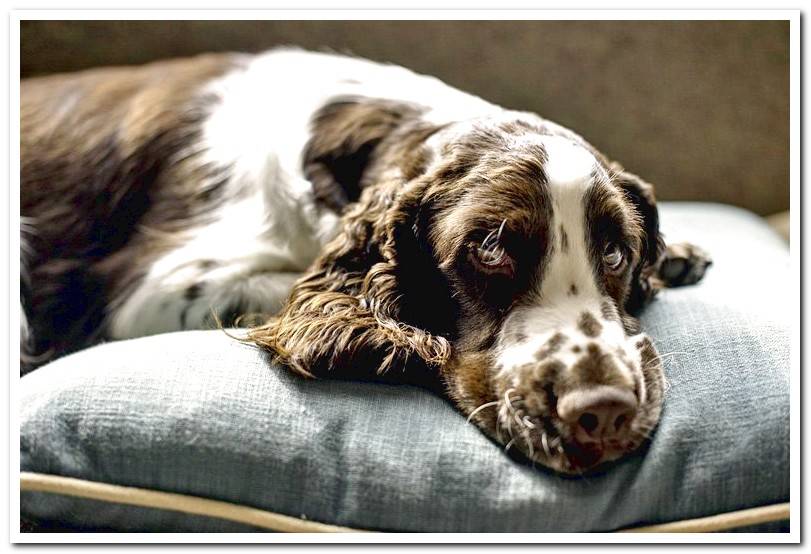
{"x":597,"y":413}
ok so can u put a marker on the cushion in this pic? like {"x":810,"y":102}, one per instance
{"x":195,"y":431}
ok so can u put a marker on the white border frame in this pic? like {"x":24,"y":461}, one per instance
{"x":793,"y":16}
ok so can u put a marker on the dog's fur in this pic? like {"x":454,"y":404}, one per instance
{"x":389,"y":226}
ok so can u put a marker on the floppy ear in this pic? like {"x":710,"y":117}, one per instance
{"x":645,"y":280}
{"x":661,"y":265}
{"x":343,"y":317}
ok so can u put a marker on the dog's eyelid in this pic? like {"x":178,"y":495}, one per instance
{"x":491,"y":257}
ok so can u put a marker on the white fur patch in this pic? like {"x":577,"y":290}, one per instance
{"x":568,"y":164}
{"x":568,"y":170}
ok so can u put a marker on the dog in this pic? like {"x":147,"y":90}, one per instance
{"x":381,"y":225}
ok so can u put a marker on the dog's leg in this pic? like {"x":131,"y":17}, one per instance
{"x":682,"y":264}
{"x":201,"y":301}
{"x":211,"y":303}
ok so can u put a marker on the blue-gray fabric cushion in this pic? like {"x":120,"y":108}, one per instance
{"x":200,"y":414}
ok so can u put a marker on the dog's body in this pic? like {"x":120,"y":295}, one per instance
{"x":421,"y":226}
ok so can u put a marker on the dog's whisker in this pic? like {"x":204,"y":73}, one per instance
{"x":660,"y":357}
{"x":482,"y":407}
{"x":501,"y":229}
{"x":528,"y":441}
{"x":486,"y":242}
{"x":545,"y":445}
{"x":507,"y":398}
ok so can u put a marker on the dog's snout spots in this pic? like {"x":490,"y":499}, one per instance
{"x":589,"y":325}
{"x":573,"y":290}
{"x":646,"y":350}
{"x":595,"y":366}
{"x":549,"y":370}
{"x":576,"y":349}
{"x":608,"y":311}
{"x":551,"y":346}
{"x":645,"y":346}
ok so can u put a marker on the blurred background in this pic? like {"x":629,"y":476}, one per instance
{"x":699,"y":108}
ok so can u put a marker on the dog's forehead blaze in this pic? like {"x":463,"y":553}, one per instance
{"x":568,"y":268}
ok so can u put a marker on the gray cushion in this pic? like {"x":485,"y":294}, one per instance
{"x":200,"y":414}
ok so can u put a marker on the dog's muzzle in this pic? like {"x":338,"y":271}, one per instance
{"x":577,"y":395}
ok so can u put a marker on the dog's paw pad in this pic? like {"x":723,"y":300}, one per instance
{"x":683,"y":264}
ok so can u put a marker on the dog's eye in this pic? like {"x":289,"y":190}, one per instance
{"x":613,"y":256}
{"x":490,"y":255}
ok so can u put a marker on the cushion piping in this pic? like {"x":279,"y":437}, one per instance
{"x":94,"y":490}
{"x":105,"y":492}
{"x":720,"y":522}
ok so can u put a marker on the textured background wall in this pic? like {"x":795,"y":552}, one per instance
{"x":699,"y":108}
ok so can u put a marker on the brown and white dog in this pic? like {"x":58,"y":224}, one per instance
{"x":392,"y":226}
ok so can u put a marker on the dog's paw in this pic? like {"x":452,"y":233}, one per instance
{"x":683,"y":264}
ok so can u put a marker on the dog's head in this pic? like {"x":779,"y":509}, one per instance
{"x":503,"y":255}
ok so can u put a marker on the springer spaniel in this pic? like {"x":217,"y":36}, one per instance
{"x":387,"y":225}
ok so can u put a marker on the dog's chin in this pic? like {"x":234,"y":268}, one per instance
{"x":568,"y":457}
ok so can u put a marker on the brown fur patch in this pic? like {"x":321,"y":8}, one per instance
{"x":107,"y":180}
{"x":654,"y":382}
{"x":468,"y":385}
{"x":595,"y":368}
{"x":589,"y":325}
{"x":347,"y":141}
{"x":630,"y":324}
{"x":608,"y":311}
{"x":541,"y":381}
{"x":551,"y":346}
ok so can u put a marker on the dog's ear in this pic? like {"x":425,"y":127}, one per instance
{"x":645,"y":281}
{"x":343,"y":318}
